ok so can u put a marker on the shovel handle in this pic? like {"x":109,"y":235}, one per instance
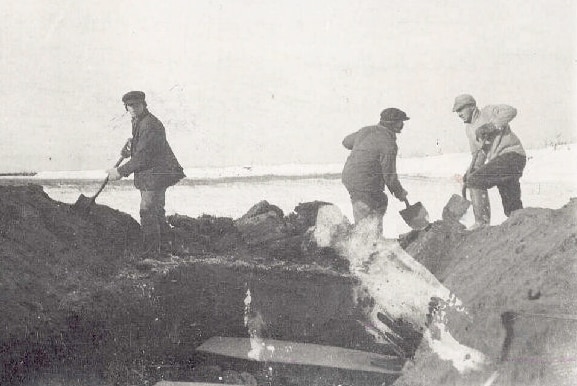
{"x":473,"y":161}
{"x":117,"y":164}
{"x":106,"y":179}
{"x":406,"y":202}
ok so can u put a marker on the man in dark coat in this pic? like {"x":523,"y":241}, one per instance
{"x":372,"y":165}
{"x":155,"y":168}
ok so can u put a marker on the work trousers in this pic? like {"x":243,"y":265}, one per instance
{"x":503,"y":172}
{"x":155,"y":229}
{"x":369,"y":205}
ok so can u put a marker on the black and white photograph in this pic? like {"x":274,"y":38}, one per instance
{"x":288,"y":193}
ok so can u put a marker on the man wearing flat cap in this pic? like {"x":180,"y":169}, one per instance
{"x":155,"y":168}
{"x":498,"y":156}
{"x":371,"y":166}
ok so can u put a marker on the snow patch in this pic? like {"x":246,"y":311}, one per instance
{"x":401,"y":287}
{"x":547,"y":164}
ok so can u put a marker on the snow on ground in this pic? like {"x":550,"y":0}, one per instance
{"x":549,"y":181}
{"x":211,"y":173}
{"x":547,"y":164}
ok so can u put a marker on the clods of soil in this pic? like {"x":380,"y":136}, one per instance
{"x":518,"y":283}
{"x":78,"y":308}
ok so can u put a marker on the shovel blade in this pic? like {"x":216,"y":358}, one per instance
{"x":416,"y":216}
{"x":456,"y":208}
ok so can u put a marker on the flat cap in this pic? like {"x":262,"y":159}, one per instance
{"x":462,"y":101}
{"x":392,"y":114}
{"x":133,"y":96}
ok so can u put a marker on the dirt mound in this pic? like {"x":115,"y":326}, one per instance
{"x":74,"y":298}
{"x":47,"y":251}
{"x":72,"y":294}
{"x":51,"y":260}
{"x":263,"y":232}
{"x":518,"y":282}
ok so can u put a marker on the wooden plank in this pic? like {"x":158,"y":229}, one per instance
{"x":271,"y":350}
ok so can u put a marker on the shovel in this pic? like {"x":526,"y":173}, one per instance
{"x":83,"y":204}
{"x":416,"y":216}
{"x":458,"y":205}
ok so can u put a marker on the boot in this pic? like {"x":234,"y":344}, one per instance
{"x":481,"y":208}
{"x":166,"y":235}
{"x":150,"y":235}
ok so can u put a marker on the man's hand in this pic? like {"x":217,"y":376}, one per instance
{"x":113,"y":174}
{"x":402,"y":195}
{"x":486,"y":132}
{"x":125,"y":152}
{"x":465,"y":176}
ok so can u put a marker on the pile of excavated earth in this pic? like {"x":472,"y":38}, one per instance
{"x":78,"y":308}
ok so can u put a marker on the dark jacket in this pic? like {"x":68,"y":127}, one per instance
{"x":372,"y":162}
{"x":152,"y":161}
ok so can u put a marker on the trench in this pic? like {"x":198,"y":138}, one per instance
{"x":142,"y":332}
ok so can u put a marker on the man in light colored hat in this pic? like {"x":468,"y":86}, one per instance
{"x":155,"y":168}
{"x":498,"y":158}
{"x":371,"y":166}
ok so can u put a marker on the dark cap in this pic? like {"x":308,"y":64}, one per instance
{"x":393,"y":114}
{"x":133,"y":96}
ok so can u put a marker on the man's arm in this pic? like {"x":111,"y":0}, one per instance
{"x":486,"y":132}
{"x":501,"y":115}
{"x":147,"y":147}
{"x":389,"y":170}
{"x":125,"y":152}
{"x":349,"y":140}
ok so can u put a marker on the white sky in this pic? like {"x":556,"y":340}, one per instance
{"x":274,"y":82}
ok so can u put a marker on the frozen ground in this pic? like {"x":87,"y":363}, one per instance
{"x":550,"y":179}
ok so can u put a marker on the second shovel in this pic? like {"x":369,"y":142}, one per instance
{"x":416,"y":216}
